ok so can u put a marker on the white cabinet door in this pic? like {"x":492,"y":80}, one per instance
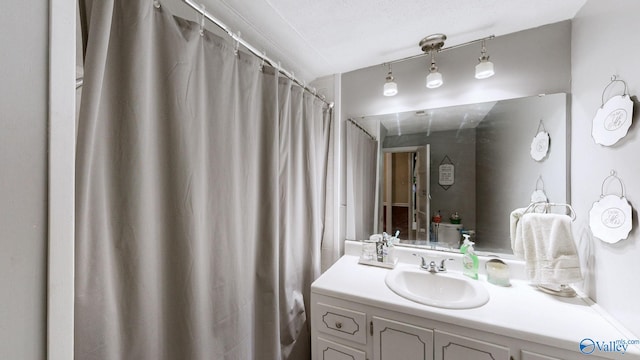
{"x":394,"y":340}
{"x":453,"y":347}
{"x":526,"y":355}
{"x":329,"y":350}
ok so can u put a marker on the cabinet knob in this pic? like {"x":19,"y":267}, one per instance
{"x":338,"y":325}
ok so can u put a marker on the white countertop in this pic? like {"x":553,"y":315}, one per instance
{"x":518,"y":311}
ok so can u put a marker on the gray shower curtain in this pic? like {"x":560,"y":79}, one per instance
{"x":362,"y":157}
{"x":200,"y":204}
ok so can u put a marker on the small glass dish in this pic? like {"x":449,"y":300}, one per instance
{"x":497,"y":272}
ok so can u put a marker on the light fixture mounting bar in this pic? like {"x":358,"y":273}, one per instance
{"x":490,"y":37}
{"x":431,"y":43}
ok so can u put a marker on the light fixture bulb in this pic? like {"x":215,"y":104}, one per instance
{"x":484,"y":69}
{"x":390,"y":86}
{"x":434,"y":80}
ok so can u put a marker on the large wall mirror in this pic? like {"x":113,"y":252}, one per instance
{"x":480,"y":169}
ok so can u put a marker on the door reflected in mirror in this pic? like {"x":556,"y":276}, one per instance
{"x":405,"y":185}
{"x":489,"y":146}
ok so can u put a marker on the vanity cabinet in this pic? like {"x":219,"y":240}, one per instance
{"x":348,"y":330}
{"x":343,"y":330}
{"x":355,"y":316}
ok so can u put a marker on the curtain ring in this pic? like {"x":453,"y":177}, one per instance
{"x":156,"y":4}
{"x":613,"y":176}
{"x":236,"y":46}
{"x":204,"y":9}
{"x":614,"y":79}
{"x":264,"y":55}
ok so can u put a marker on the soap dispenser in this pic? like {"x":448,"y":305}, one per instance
{"x":469,"y":258}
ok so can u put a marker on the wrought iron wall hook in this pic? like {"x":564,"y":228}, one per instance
{"x":612,"y":176}
{"x":540,"y":182}
{"x":541,"y":125}
{"x":614,"y":79}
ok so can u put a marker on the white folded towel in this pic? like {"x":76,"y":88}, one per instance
{"x":545,"y":241}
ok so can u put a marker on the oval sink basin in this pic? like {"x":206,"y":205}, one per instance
{"x":444,"y":290}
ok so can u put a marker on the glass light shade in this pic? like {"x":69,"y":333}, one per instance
{"x":390,"y":88}
{"x":484,"y":69}
{"x":434,"y":80}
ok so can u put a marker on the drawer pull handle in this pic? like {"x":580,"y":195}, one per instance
{"x":338,"y":325}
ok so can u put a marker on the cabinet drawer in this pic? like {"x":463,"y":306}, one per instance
{"x":343,"y":323}
{"x":329,"y":350}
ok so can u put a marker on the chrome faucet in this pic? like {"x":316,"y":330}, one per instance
{"x":432,"y":267}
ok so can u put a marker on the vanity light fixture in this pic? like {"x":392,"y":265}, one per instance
{"x":434,"y":79}
{"x":484,"y":69}
{"x":390,"y":86}
{"x":433,"y":44}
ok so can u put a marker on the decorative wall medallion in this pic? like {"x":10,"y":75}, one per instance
{"x":610,"y":218}
{"x":613,"y":118}
{"x":538,"y":195}
{"x":540,"y":146}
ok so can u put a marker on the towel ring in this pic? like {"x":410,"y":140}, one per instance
{"x":546,"y":206}
{"x":613,"y":176}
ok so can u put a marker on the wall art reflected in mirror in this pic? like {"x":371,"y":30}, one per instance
{"x":480,"y":169}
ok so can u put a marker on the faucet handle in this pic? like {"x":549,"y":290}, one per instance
{"x":423,"y":262}
{"x":442,"y":266}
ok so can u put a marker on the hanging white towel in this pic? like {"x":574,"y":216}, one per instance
{"x":545,"y":241}
{"x":516,"y":236}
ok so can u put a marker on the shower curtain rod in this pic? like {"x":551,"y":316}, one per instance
{"x":361,"y":128}
{"x":195,"y":6}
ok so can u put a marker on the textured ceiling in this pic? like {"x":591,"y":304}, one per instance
{"x":317,"y":38}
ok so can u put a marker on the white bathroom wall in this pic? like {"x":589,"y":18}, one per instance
{"x":605,"y":42}
{"x":23,"y":178}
